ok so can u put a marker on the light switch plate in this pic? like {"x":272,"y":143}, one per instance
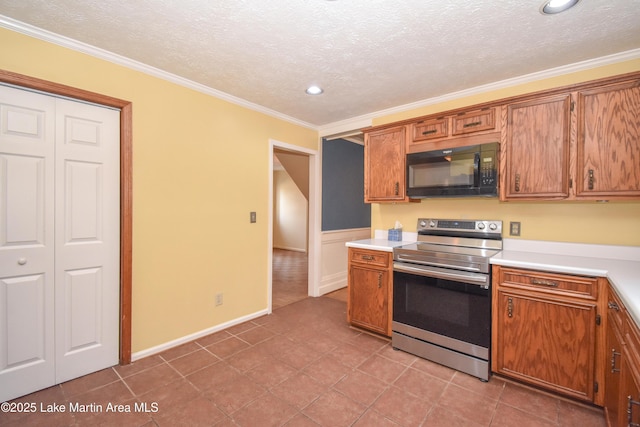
{"x":252,"y":217}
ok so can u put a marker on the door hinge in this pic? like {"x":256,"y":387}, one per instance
{"x":595,"y":387}
{"x":598,"y":319}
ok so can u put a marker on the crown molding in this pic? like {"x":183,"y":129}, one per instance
{"x":342,"y":126}
{"x":360,"y":122}
{"x":39,"y":33}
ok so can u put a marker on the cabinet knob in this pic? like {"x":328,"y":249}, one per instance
{"x":22,"y":261}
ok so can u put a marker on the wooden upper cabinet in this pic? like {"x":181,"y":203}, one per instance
{"x":473,"y":121}
{"x":608,"y":145}
{"x":384,"y":165}
{"x":428,"y":129}
{"x":471,"y":127}
{"x":535,"y":149}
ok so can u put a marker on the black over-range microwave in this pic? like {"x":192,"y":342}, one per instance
{"x":454,"y":172}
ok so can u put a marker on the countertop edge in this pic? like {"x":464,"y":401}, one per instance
{"x":623,"y":274}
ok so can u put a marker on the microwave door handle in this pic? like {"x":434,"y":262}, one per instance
{"x":476,"y":170}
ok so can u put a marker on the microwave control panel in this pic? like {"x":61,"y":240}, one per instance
{"x":488,"y":169}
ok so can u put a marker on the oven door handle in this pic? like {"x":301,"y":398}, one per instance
{"x":459,"y":276}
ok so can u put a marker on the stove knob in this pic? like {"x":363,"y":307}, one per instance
{"x":481,"y":226}
{"x":423,"y":224}
{"x":432,"y":224}
{"x":493,"y":226}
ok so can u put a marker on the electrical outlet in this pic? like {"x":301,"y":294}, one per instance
{"x":252,"y":217}
{"x":218,"y":299}
{"x":514,"y":228}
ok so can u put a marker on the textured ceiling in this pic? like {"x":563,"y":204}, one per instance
{"x":367,"y":55}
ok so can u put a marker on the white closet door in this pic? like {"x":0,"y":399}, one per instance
{"x":26,"y":242}
{"x":87,"y":249}
{"x":59,"y":240}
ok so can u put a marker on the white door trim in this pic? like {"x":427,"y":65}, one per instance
{"x":314,"y":219}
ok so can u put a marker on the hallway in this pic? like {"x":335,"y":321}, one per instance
{"x":290,"y":282}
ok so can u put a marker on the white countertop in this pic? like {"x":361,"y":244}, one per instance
{"x":619,"y":264}
{"x":376,"y":244}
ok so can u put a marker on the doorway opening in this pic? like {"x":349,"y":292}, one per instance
{"x":293,"y":224}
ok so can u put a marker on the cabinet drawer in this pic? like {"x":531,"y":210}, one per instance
{"x":615,"y":309}
{"x":632,"y":340}
{"x":368,"y":257}
{"x":425,"y":130}
{"x":561,"y":284}
{"x":474,"y":121}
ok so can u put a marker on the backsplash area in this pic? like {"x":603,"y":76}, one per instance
{"x":612,"y":223}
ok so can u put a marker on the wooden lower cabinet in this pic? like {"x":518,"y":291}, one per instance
{"x":369,"y":300}
{"x":612,"y":374}
{"x":544,"y":330}
{"x":622,"y":400}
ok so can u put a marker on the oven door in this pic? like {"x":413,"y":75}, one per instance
{"x":442,"y":301}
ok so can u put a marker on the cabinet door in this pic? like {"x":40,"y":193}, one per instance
{"x":612,"y":373}
{"x":537,"y":149}
{"x":629,"y":413}
{"x":608,"y":163}
{"x":384,"y":168}
{"x":368,"y":298}
{"x":473,"y":121}
{"x":547,"y":342}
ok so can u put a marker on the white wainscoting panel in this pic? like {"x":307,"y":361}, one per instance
{"x":334,"y":257}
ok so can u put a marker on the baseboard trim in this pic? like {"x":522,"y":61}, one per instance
{"x":185,"y":339}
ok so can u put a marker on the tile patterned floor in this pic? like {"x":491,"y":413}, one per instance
{"x":289,"y":277}
{"x":300,"y":366}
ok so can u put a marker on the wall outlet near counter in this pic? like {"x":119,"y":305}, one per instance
{"x":218,"y":299}
{"x":514,"y":228}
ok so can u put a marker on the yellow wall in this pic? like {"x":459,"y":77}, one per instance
{"x":200,"y":165}
{"x":612,"y":223}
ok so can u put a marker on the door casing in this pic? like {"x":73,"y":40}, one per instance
{"x":126,"y":185}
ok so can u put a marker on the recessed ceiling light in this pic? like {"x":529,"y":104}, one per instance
{"x":314,"y":90}
{"x":550,"y":7}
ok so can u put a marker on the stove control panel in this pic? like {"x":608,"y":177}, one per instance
{"x":470,"y":226}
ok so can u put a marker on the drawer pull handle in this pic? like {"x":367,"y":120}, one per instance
{"x":510,"y":307}
{"x":590,"y":179}
{"x":613,"y":306}
{"x":397,"y":188}
{"x":544,"y":283}
{"x":630,"y":403}
{"x":368,"y":257}
{"x":429,"y":132}
{"x":614,"y":353}
{"x":468,"y":125}
{"x":517,"y":183}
